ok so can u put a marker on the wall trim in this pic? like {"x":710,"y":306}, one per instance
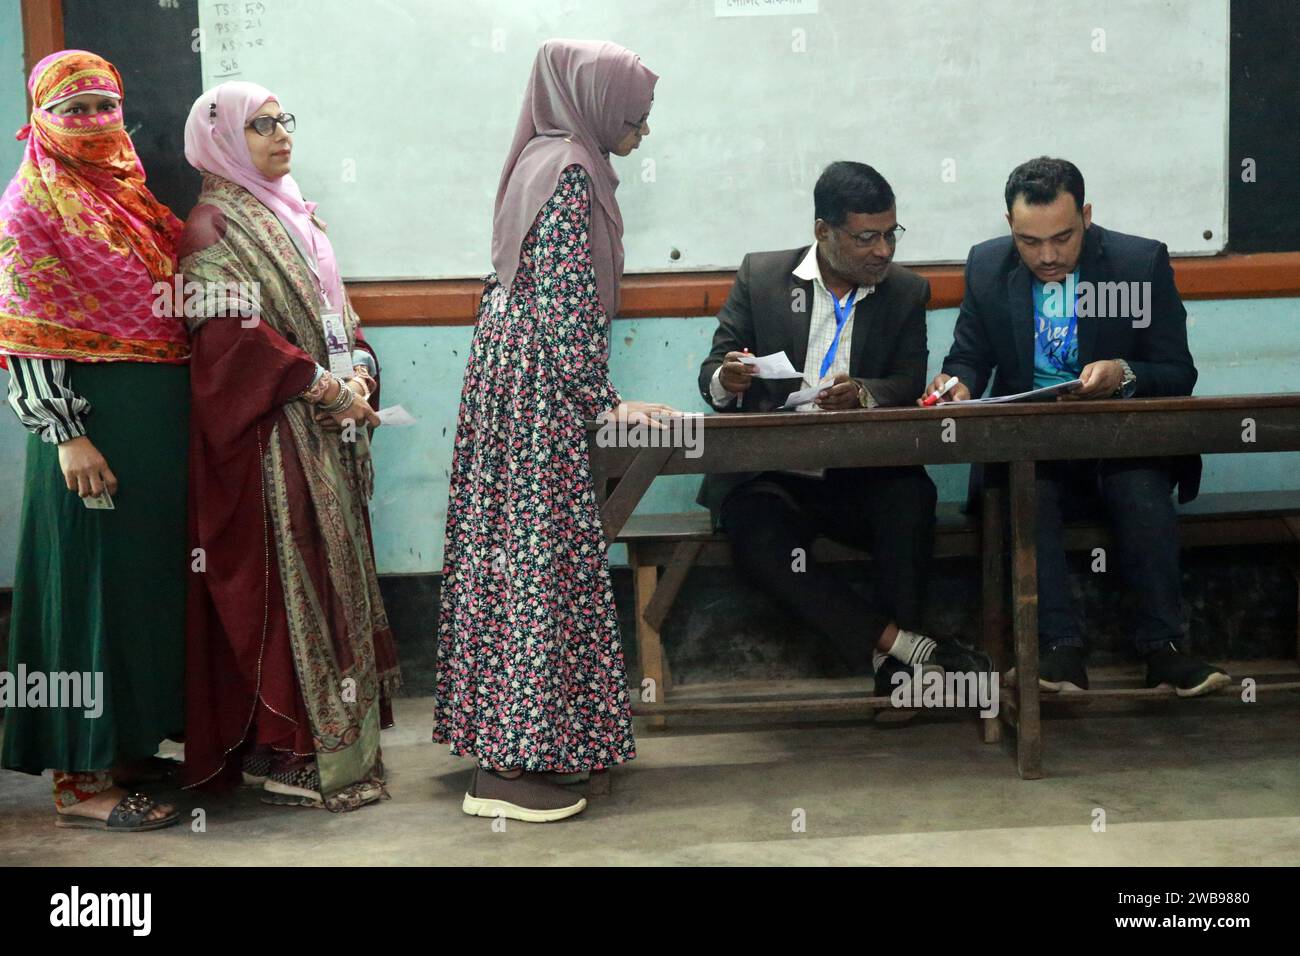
{"x":673,"y":294}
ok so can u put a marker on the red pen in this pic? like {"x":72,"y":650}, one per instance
{"x":933,"y":397}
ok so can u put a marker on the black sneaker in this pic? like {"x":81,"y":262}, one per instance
{"x":958,"y":658}
{"x":889,"y":666}
{"x":886,"y":685}
{"x":1171,"y":669}
{"x":1060,"y":668}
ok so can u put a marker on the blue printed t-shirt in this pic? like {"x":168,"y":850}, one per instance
{"x":1056,"y":333}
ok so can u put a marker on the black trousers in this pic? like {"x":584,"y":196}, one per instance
{"x":1136,"y":496}
{"x":773,"y":519}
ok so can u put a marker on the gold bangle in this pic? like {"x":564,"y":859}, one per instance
{"x":340,"y":401}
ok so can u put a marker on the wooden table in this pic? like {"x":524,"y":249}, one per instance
{"x":1018,"y":435}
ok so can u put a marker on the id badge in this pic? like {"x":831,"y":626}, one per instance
{"x":336,"y":342}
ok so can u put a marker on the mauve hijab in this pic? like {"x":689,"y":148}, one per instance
{"x":215,"y":143}
{"x":580,"y":99}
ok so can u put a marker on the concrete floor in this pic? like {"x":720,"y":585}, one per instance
{"x":1190,"y":783}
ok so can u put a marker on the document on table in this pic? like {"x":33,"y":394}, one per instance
{"x":776,"y":365}
{"x":1032,"y":395}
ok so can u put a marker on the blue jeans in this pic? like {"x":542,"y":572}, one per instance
{"x":1136,"y":496}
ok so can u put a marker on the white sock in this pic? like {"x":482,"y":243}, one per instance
{"x":911,"y":648}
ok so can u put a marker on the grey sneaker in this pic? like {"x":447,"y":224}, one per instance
{"x":528,"y":797}
{"x":568,"y":779}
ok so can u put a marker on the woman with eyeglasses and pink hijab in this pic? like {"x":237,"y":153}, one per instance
{"x":531,"y":680}
{"x":291,"y":665}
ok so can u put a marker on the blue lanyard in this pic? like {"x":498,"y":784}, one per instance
{"x":842,"y":314}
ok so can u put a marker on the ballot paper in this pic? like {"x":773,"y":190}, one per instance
{"x":395,"y":415}
{"x":1034,"y":395}
{"x":776,"y":365}
{"x":805,"y":395}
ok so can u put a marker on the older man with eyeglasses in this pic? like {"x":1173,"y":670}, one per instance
{"x":854,"y":322}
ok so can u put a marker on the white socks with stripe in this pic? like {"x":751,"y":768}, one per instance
{"x":911,"y":648}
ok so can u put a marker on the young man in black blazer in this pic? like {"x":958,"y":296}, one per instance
{"x":843,"y":312}
{"x":1061,"y":298}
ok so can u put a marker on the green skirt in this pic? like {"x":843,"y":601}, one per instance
{"x":102,"y":593}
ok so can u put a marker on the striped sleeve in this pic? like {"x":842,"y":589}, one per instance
{"x":41,"y":394}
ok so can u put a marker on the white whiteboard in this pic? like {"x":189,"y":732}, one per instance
{"x":406,"y":107}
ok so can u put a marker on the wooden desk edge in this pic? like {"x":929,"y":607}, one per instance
{"x":1206,"y":403}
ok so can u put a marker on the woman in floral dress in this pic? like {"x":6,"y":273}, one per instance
{"x":531,"y":679}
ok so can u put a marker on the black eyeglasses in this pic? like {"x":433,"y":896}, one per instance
{"x":865,"y":240}
{"x":265,"y":125}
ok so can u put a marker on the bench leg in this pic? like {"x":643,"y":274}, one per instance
{"x":1024,"y":600}
{"x":991,"y":544}
{"x":654,"y":610}
{"x":647,"y":638}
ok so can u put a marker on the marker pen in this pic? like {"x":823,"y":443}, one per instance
{"x":933,"y":397}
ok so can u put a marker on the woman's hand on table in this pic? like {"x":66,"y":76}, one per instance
{"x":649,"y":413}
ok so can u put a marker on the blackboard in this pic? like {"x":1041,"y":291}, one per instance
{"x":151,"y":44}
{"x":1264,"y":126}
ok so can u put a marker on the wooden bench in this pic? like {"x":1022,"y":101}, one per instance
{"x":677,"y":542}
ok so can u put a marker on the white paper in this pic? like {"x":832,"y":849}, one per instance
{"x":395,"y":415}
{"x":776,"y":365}
{"x":1032,"y":395}
{"x":803,"y":396}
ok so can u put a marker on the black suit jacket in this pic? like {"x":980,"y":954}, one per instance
{"x":994,"y":337}
{"x":770,"y":310}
